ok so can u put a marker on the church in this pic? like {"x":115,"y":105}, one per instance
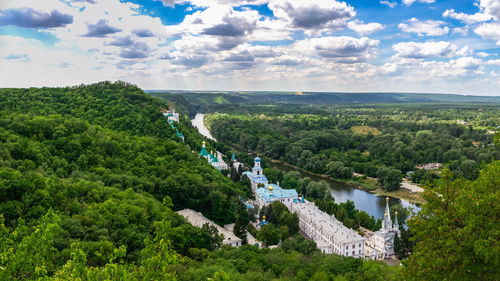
{"x":381,"y":244}
{"x":214,"y":159}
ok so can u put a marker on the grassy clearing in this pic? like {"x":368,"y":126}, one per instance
{"x":364,"y":130}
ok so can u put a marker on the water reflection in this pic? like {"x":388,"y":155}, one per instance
{"x":371,"y":203}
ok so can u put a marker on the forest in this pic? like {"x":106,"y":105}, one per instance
{"x":91,"y":177}
{"x":384,"y":142}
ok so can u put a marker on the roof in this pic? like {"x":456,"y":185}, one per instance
{"x":203,"y":151}
{"x":327,"y":223}
{"x":198,"y":220}
{"x":276,"y":193}
{"x":233,"y":157}
{"x":257,"y":159}
{"x":256,"y":179}
{"x":251,"y":240}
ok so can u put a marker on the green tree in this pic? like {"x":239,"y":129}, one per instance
{"x":389,"y":178}
{"x":456,"y":232}
{"x":269,"y":234}
{"x":240,"y":226}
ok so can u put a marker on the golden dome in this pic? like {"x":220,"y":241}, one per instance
{"x":270,"y":188}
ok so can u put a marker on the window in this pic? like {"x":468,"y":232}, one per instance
{"x":347,"y":247}
{"x":353,"y":253}
{"x":360,"y":245}
{"x":360,"y":252}
{"x":353,"y":246}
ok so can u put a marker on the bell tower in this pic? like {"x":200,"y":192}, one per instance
{"x":257,"y":169}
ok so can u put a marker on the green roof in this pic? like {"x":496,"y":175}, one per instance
{"x":203,"y":152}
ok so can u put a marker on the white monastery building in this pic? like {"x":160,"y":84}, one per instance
{"x":198,"y":220}
{"x":330,"y":235}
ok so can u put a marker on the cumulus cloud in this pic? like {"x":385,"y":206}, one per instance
{"x":191,"y":61}
{"x":143,"y":32}
{"x":343,"y":49}
{"x":122,"y":41}
{"x":489,"y":31}
{"x":488,"y":9}
{"x":208,"y":3}
{"x":101,"y":29}
{"x":420,"y":50}
{"x":410,"y":2}
{"x":30,"y":18}
{"x":137,"y":50}
{"x":427,"y":27}
{"x":364,"y":29}
{"x":313,"y":14}
{"x":232,"y":26}
{"x":467,"y":18}
{"x":389,"y":3}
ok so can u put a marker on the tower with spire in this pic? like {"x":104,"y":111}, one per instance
{"x":382,"y":241}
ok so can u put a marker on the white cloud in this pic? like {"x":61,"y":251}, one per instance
{"x":489,"y":31}
{"x":429,"y":49}
{"x":427,"y":27}
{"x":342,"y":49}
{"x":389,"y":3}
{"x":488,"y":9}
{"x":364,"y":29}
{"x":467,"y":18}
{"x":410,"y":2}
{"x":210,"y":3}
{"x":319,"y":15}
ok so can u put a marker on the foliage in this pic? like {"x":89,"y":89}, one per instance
{"x":456,"y":232}
{"x":389,"y":178}
{"x":321,"y":141}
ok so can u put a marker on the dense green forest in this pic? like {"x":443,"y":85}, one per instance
{"x":90,"y":177}
{"x":384,"y":142}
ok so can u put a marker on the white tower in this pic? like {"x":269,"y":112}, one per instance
{"x":257,"y":169}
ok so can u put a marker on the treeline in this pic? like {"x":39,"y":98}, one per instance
{"x":362,"y":141}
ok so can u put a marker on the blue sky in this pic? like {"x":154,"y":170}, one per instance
{"x":445,"y":46}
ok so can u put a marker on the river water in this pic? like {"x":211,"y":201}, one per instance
{"x":198,"y":122}
{"x":371,"y":203}
{"x":363,"y":200}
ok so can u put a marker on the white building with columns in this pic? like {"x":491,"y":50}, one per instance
{"x":330,"y":235}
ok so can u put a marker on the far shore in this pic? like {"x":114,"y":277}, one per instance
{"x":368,"y":184}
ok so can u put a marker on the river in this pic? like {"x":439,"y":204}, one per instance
{"x":363,"y":200}
{"x":371,"y":203}
{"x":198,"y":122}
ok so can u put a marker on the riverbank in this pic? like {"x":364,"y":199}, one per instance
{"x":369,"y":185}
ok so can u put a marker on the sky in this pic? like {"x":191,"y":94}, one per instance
{"x":430,"y":46}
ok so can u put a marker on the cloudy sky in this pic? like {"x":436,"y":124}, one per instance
{"x":447,"y":46}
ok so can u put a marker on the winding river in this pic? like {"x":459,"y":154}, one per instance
{"x":371,"y":203}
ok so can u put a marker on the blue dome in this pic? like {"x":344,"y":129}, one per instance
{"x":257,"y":159}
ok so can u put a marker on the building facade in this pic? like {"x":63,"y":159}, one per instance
{"x":214,"y":159}
{"x":256,"y":176}
{"x":330,"y":235}
{"x":197,"y":219}
{"x":380,"y":244}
